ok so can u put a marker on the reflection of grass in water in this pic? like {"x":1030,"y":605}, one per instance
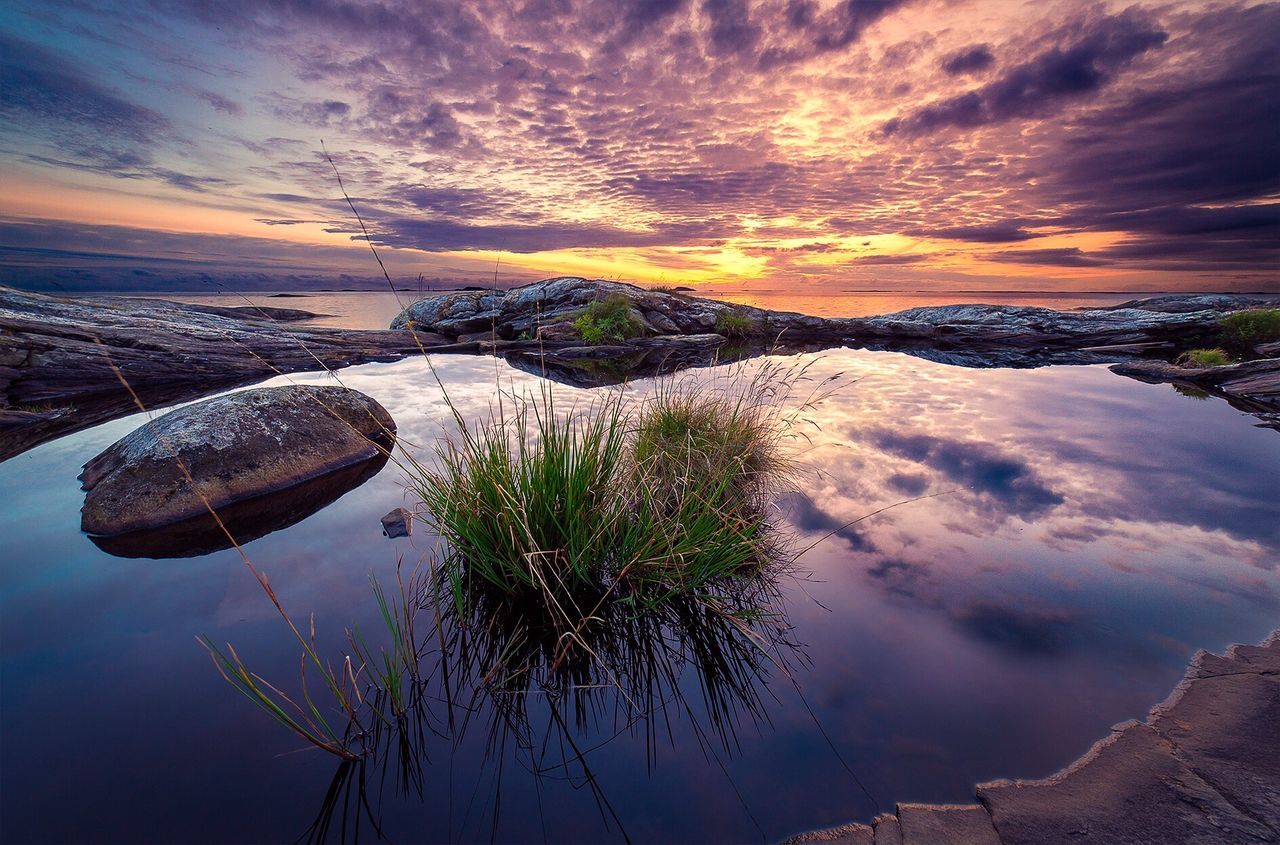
{"x":1191,"y":392}
{"x":702,"y":662}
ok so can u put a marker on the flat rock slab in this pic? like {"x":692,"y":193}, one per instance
{"x":1130,"y":789}
{"x":232,"y":448}
{"x":1227,"y":729}
{"x":887,"y":831}
{"x":933,"y":824}
{"x":65,"y":356}
{"x":847,"y":834}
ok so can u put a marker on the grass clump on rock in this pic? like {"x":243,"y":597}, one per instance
{"x":1204,"y":358}
{"x":734,"y":325}
{"x":1245,"y":329}
{"x":608,"y":320}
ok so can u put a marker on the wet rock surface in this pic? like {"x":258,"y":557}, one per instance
{"x":1203,"y":768}
{"x":61,"y":358}
{"x":230,"y":449}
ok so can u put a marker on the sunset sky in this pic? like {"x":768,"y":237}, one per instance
{"x":896,"y":144}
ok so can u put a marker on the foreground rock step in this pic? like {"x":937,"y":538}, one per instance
{"x":262,"y":458}
{"x":57,"y":356}
{"x":1203,"y":768}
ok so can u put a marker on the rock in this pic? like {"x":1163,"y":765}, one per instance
{"x":847,"y":834}
{"x":933,"y":824}
{"x":475,"y":337}
{"x":452,"y":314}
{"x":886,"y":829}
{"x":1227,"y":728}
{"x":234,"y":448}
{"x":1251,"y":386}
{"x":245,"y":521}
{"x":1130,"y":789}
{"x":1187,"y":303}
{"x":559,"y":332}
{"x":68,"y":354}
{"x":398,"y":523}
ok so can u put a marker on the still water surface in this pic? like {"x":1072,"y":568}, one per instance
{"x":1100,"y":532}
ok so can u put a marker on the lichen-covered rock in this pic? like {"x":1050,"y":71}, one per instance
{"x":527,"y":310}
{"x":233,"y":447}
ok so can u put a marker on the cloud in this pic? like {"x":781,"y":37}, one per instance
{"x":41,"y":89}
{"x":990,"y":233}
{"x":319,"y":113}
{"x":969,"y":60}
{"x":226,"y":105}
{"x":1071,"y":256}
{"x":1036,"y":87}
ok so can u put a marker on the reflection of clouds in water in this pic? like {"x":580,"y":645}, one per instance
{"x":801,"y":512}
{"x":1007,"y":483}
{"x":1030,"y":633}
{"x":1068,"y":475}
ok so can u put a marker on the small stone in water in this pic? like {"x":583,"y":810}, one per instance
{"x":398,"y":523}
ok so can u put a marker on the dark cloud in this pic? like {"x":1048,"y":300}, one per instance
{"x":1035,"y":87}
{"x":1004,"y":480}
{"x":226,"y":105}
{"x":1058,"y":257}
{"x":991,"y":233}
{"x":731,"y":30}
{"x":43,"y":91}
{"x":969,"y":60}
{"x":319,"y":113}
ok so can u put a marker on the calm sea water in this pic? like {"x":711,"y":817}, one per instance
{"x":1099,"y":531}
{"x":375,"y":309}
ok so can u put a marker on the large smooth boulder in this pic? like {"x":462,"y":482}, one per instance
{"x":234,"y":448}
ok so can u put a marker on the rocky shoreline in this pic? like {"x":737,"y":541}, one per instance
{"x":62,"y":359}
{"x":1204,"y":767}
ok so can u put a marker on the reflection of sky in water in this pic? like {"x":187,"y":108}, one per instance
{"x":1100,"y":530}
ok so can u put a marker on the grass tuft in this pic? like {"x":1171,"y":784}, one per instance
{"x":608,"y":320}
{"x":735,"y":325}
{"x":1246,"y":329}
{"x":1204,"y":358}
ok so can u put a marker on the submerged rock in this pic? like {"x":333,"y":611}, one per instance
{"x":233,"y":448}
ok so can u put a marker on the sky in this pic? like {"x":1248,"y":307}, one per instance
{"x":780,"y":144}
